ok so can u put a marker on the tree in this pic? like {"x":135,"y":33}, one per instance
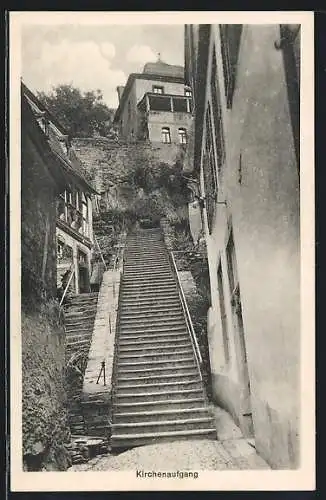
{"x":82,"y":114}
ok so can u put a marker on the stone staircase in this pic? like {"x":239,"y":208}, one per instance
{"x":158,"y":393}
{"x":79,"y":321}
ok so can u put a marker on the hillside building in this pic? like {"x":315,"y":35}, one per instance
{"x":74,"y":229}
{"x":155,"y":106}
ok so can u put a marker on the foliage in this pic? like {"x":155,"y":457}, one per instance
{"x":158,"y":190}
{"x":82,"y":114}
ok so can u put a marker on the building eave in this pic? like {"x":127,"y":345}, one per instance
{"x":71,"y":232}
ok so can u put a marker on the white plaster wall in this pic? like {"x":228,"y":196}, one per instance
{"x":264,"y":210}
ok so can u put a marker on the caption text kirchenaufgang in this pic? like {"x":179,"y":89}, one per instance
{"x":141,"y":474}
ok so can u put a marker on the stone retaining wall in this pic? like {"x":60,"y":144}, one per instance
{"x":96,"y":398}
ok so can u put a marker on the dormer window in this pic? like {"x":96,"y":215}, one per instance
{"x":64,"y":141}
{"x":43,"y":121}
{"x":158,"y":90}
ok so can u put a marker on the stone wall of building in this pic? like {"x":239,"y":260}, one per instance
{"x":46,"y":434}
{"x":108,"y":164}
{"x":174,"y":121}
{"x":130,"y":115}
{"x":38,"y":227}
{"x":45,"y":429}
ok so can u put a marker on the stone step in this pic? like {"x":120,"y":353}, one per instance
{"x":141,"y":379}
{"x":149,"y":405}
{"x":153,"y":370}
{"x":74,"y":346}
{"x":135,"y":269}
{"x":76,"y":338}
{"x":150,"y":285}
{"x":162,"y":329}
{"x":127,"y":441}
{"x":166,"y":291}
{"x":151,"y":322}
{"x":177,"y":355}
{"x":78,"y":330}
{"x":154,"y":309}
{"x":168,"y":336}
{"x":144,"y":249}
{"x":154,"y":346}
{"x":149,"y":281}
{"x":162,"y":363}
{"x":151,"y":301}
{"x":165,"y":415}
{"x":80,"y":311}
{"x":159,"y":294}
{"x":163,"y":426}
{"x":151,"y":272}
{"x":84,"y":296}
{"x":146,"y":260}
{"x":149,"y":395}
{"x":157,"y":387}
{"x":80,"y":323}
{"x":78,"y":316}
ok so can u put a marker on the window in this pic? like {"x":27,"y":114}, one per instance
{"x":72,"y":209}
{"x":217,"y":115}
{"x":230,"y":44}
{"x":209,"y":171}
{"x":166,"y":136}
{"x":187,"y":92}
{"x":158,"y":90}
{"x":232,"y":265}
{"x":182,"y":135}
{"x":223,"y":313}
{"x":159,"y":103}
{"x":180,"y":105}
{"x":60,"y":248}
{"x":64,"y":252}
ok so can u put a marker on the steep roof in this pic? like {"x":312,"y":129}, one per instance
{"x":67,"y":161}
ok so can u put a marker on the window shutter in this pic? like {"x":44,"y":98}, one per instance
{"x":230,"y":45}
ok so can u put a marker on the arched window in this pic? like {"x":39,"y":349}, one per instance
{"x":182,"y":135}
{"x":166,"y":136}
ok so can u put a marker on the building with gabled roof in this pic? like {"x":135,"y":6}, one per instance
{"x":74,"y":231}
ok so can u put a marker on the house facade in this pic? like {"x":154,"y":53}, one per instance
{"x":243,"y":170}
{"x":74,"y":229}
{"x":155,"y":106}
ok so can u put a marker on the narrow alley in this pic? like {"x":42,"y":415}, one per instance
{"x":160,"y":270}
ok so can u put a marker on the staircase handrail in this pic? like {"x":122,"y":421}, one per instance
{"x":67,"y":285}
{"x":186,"y":312}
{"x":99,"y":249}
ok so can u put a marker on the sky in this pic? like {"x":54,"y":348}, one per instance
{"x":95,"y":57}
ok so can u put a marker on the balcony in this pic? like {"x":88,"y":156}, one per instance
{"x":165,"y":102}
{"x":73,"y":217}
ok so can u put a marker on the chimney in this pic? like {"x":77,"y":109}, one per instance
{"x":120,"y":90}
